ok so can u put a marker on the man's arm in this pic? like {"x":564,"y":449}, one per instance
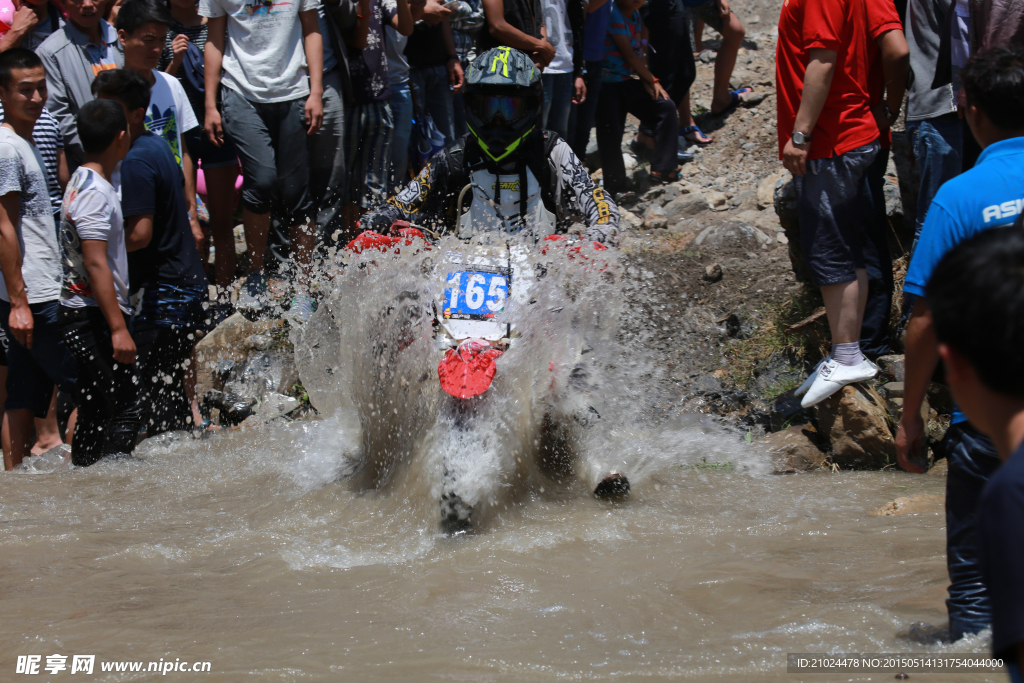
{"x":506,"y":34}
{"x":817,"y":83}
{"x":896,"y":67}
{"x":190,"y":199}
{"x":10,"y":265}
{"x":922,"y":356}
{"x":24,"y":22}
{"x":425,"y":198}
{"x":213,"y":58}
{"x":639,"y":65}
{"x":580,"y":199}
{"x":402,"y":21}
{"x":138,"y":232}
{"x":431,"y":11}
{"x":357,"y":36}
{"x":101,"y":282}
{"x":313,"y":43}
{"x":63,"y":174}
{"x":452,"y":64}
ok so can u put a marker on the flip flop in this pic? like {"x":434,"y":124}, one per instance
{"x":696,"y":135}
{"x":736,"y":96}
{"x":664,"y":178}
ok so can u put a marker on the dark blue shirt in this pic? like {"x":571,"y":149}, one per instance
{"x":152,"y":183}
{"x":594,"y":31}
{"x":1001,"y":527}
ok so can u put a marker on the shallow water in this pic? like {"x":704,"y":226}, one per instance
{"x":241,"y":551}
{"x":312,"y":550}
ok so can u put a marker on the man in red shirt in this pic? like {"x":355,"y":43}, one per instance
{"x":828,"y":138}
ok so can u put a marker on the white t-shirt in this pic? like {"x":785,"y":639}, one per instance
{"x":170,"y":113}
{"x":559,"y":35}
{"x":91,"y":211}
{"x":264,"y":59}
{"x":21,"y":171}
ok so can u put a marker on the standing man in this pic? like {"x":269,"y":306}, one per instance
{"x":828,"y":138}
{"x":987,"y":196}
{"x":563,"y":77}
{"x":270,"y":60}
{"x":30,"y":265}
{"x":72,"y":57}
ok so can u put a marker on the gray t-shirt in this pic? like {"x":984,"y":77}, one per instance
{"x":926,"y":20}
{"x":21,"y":171}
{"x":264,"y":58}
{"x":398,"y":64}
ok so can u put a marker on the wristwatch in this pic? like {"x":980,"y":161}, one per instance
{"x":799,"y":138}
{"x":891,"y":115}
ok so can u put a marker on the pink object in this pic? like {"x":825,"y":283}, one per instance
{"x":200,"y":178}
{"x":7,"y":10}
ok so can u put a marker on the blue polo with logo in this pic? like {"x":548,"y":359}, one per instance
{"x":990,"y":195}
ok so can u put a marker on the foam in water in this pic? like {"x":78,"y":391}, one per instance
{"x":569,"y":401}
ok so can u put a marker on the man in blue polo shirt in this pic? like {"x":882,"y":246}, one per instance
{"x":990,"y":195}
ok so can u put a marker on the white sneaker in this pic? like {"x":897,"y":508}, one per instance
{"x":832,"y":377}
{"x":802,"y":389}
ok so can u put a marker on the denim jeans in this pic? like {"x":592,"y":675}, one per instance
{"x":557,"y":102}
{"x":937,"y":147}
{"x":401,"y":112}
{"x":431,"y":94}
{"x":938,"y":153}
{"x":272,"y":145}
{"x":878,"y":262}
{"x":328,"y":177}
{"x":581,"y":116}
{"x":107,"y":391}
{"x":972,"y":461}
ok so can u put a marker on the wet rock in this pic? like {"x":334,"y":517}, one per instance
{"x":858,"y":427}
{"x":786,"y":410}
{"x":685,"y":205}
{"x":794,"y":450}
{"x":893,"y":390}
{"x":912,"y":505}
{"x":227,"y":342}
{"x":713,"y":273}
{"x":939,"y":469}
{"x":661,"y":195}
{"x":655,"y":218}
{"x":940,"y":398}
{"x":892,"y":368}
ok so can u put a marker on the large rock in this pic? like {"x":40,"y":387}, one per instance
{"x":232,"y":341}
{"x":766,"y":190}
{"x":912,"y":505}
{"x":732,"y":233}
{"x":793,"y":450}
{"x":858,"y":427}
{"x":892,"y":368}
{"x":655,"y":218}
{"x":689,"y":204}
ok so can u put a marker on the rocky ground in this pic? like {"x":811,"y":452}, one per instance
{"x":717,"y":298}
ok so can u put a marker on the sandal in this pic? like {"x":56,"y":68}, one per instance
{"x":696,"y":135}
{"x":736,"y":96}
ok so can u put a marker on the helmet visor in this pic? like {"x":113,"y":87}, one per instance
{"x":499,"y":109}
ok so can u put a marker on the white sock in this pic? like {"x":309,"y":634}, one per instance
{"x":847,"y":354}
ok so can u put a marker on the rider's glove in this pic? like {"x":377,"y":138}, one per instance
{"x":596,"y":234}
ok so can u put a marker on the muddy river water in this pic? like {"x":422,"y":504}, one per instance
{"x":243,"y":552}
{"x":257,"y":552}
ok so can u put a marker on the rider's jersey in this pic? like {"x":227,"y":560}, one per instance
{"x":557,"y":193}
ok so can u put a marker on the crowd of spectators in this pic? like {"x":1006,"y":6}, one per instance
{"x":843,"y":69}
{"x":301,"y":117}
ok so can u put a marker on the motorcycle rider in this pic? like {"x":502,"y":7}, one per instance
{"x":522,"y":177}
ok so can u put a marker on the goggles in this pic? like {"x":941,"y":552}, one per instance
{"x":496,"y":109}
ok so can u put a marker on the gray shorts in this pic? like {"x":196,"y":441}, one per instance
{"x":832,"y":200}
{"x":707,"y":12}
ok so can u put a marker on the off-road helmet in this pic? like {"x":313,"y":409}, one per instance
{"x":503,"y":98}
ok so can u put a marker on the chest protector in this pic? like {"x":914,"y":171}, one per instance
{"x":510,"y":200}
